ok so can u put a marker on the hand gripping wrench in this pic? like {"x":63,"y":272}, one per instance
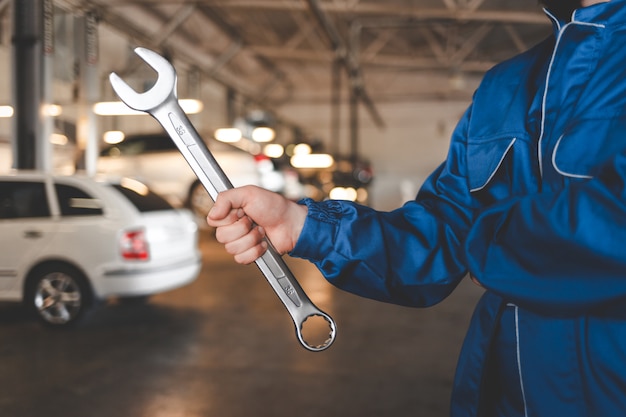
{"x":161,"y":102}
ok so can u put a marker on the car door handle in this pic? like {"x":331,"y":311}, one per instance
{"x":33,"y":234}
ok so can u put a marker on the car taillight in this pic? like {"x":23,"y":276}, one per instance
{"x":134,"y":246}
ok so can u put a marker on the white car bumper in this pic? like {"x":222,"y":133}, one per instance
{"x":137,"y":281}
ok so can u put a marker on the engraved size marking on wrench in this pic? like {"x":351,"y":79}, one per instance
{"x":180,"y":129}
{"x":289,"y":290}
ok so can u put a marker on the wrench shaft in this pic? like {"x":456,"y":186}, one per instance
{"x":207,"y":168}
{"x":161,"y":102}
{"x":213,"y":178}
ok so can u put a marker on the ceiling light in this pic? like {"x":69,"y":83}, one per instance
{"x":343,"y":193}
{"x":6,"y":111}
{"x":263,"y":134}
{"x":52,"y":110}
{"x":302,"y":149}
{"x":113,"y":136}
{"x":228,"y":134}
{"x":118,"y":108}
{"x":273,"y":150}
{"x":58,"y":139}
{"x":191,"y":106}
{"x":314,"y":160}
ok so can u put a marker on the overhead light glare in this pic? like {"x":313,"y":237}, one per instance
{"x":52,"y":110}
{"x":273,"y":150}
{"x":263,"y":134}
{"x":228,"y":134}
{"x":191,"y":105}
{"x":302,"y":149}
{"x":118,"y":108}
{"x":47,"y":110}
{"x":58,"y":139}
{"x":343,"y":193}
{"x":113,"y":136}
{"x":314,"y":160}
{"x":6,"y":111}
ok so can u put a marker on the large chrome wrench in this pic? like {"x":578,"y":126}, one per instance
{"x":161,"y":102}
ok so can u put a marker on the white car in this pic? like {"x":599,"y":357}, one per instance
{"x":68,"y":241}
{"x":155,"y":160}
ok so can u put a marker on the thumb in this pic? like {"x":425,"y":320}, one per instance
{"x":231,"y":199}
{"x":220,"y":209}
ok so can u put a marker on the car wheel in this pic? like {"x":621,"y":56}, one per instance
{"x":58,"y":294}
{"x":200,"y":201}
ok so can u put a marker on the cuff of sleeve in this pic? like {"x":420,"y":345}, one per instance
{"x":317,"y":238}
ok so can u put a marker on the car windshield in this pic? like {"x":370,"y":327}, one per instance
{"x":145,"y":200}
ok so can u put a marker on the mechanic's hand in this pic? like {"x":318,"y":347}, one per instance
{"x":244,"y":216}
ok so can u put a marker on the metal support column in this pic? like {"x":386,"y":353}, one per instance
{"x":354,"y":124}
{"x":86,"y":37}
{"x":335,"y":107}
{"x":231,"y":112}
{"x":27,"y":80}
{"x":45,"y":153}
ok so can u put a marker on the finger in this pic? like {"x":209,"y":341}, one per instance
{"x":229,"y":218}
{"x":246,"y":241}
{"x":251,"y":254}
{"x":222,"y":206}
{"x":239,"y":197}
{"x":234,"y":231}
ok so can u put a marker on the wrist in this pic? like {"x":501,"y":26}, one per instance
{"x":299,"y":213}
{"x":317,"y":236}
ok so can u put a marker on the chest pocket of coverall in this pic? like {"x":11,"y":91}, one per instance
{"x":500,"y":167}
{"x":587,"y":145}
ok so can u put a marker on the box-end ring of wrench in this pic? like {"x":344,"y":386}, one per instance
{"x":161,"y":102}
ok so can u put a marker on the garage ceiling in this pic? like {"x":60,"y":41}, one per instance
{"x":278,"y":52}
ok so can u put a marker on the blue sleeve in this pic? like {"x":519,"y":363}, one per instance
{"x":562,"y":251}
{"x":411,"y":256}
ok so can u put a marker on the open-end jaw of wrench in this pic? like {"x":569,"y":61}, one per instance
{"x":161,"y":102}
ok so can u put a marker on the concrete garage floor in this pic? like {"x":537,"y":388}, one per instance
{"x":225,"y":347}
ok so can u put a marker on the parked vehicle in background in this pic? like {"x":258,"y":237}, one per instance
{"x":70,"y":240}
{"x":155,"y":160}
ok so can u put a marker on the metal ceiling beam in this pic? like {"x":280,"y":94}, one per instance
{"x":470,"y":44}
{"x":516,"y":38}
{"x":463,"y":4}
{"x":174,"y":23}
{"x":382,"y":39}
{"x":380,"y":61}
{"x":187,"y":52}
{"x":162,"y":34}
{"x":277,"y":76}
{"x":469,"y":13}
{"x":389,"y":10}
{"x":190,"y":52}
{"x":348,"y":60}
